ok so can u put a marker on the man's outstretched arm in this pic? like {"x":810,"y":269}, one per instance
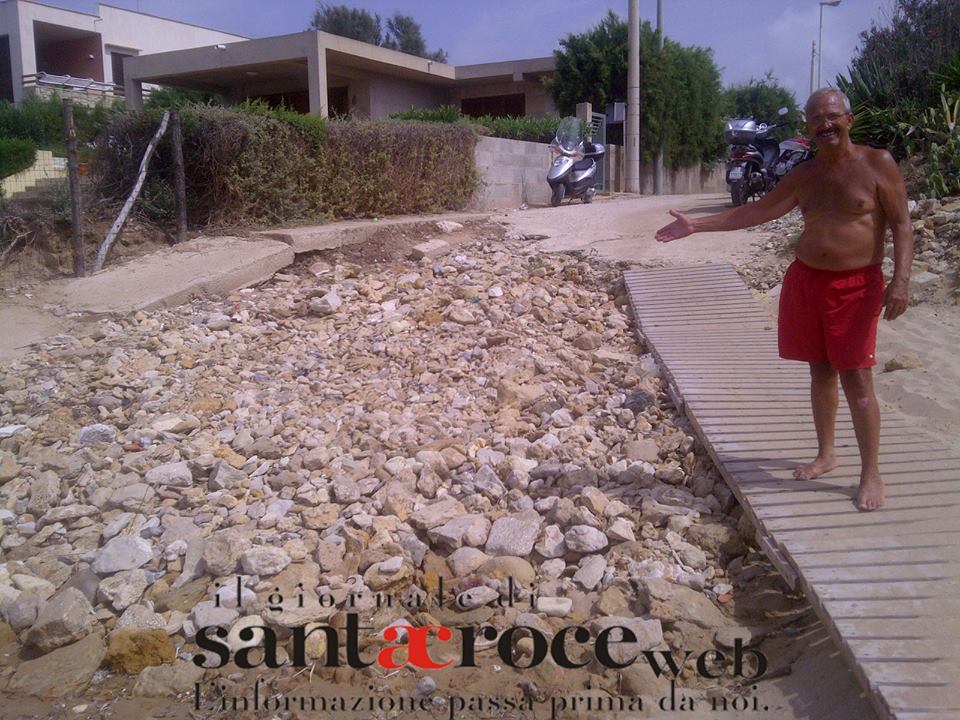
{"x":781,"y":200}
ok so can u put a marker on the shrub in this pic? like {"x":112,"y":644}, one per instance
{"x":531,"y":129}
{"x":680,"y":90}
{"x":41,"y":120}
{"x":16,"y":154}
{"x":253,"y":164}
{"x":936,"y":139}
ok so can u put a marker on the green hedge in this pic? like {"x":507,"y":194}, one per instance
{"x":41,"y":120}
{"x":532,"y":129}
{"x":16,"y":154}
{"x":254,"y":165}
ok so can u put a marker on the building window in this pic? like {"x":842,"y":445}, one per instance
{"x":6,"y":70}
{"x":495,"y":105}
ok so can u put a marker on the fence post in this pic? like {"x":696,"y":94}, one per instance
{"x":73,"y":173}
{"x":179,"y":179}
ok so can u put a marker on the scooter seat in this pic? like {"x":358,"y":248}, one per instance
{"x":581,"y":165}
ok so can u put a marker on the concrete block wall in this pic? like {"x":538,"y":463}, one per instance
{"x":515,"y":172}
{"x":512,"y":172}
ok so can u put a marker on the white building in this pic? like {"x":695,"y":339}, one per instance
{"x":48,"y":47}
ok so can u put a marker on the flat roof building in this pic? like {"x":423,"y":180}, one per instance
{"x":123,"y":52}
{"x":44,"y":47}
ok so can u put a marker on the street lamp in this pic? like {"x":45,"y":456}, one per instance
{"x":831,"y":3}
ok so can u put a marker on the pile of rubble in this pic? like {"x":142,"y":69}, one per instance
{"x":480,"y":422}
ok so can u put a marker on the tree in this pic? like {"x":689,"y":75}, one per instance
{"x":761,"y":99}
{"x":680,"y":90}
{"x":403,"y":32}
{"x":896,"y":64}
{"x":348,"y":22}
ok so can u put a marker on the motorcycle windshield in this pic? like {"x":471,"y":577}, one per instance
{"x":568,"y":134}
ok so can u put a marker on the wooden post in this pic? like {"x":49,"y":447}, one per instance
{"x":132,"y":198}
{"x":179,"y":180}
{"x":73,"y":173}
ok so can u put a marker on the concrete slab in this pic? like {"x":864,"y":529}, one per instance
{"x":310,"y":238}
{"x":204,"y":266}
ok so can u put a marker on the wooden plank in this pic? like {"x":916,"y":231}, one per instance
{"x":889,"y":575}
{"x":840,"y":506}
{"x":759,"y":465}
{"x":900,"y":674}
{"x":802,"y":499}
{"x":923,"y":650}
{"x":885,"y":630}
{"x":890,"y":609}
{"x":801,"y":447}
{"x":848,"y":521}
{"x":931,"y":589}
{"x":918,"y":540}
{"x":709,"y":302}
{"x":867,"y":532}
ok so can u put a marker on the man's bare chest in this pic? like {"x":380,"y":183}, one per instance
{"x":847,"y":191}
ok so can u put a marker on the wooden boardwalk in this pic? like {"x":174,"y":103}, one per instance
{"x":886,"y":584}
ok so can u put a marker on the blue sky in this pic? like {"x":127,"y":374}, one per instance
{"x":748,"y":38}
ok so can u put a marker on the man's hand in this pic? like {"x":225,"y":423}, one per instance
{"x":896,"y":298}
{"x":681,"y":227}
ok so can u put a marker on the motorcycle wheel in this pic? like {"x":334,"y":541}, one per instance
{"x":558,"y":192}
{"x":738,"y":193}
{"x":588,"y":195}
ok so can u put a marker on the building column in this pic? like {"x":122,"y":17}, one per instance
{"x":133,"y":93}
{"x":317,"y":78}
{"x":23,"y":52}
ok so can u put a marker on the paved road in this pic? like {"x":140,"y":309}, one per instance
{"x":622,"y":228}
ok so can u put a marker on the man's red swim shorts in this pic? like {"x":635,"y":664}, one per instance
{"x":830,"y":316}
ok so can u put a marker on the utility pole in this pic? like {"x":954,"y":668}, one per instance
{"x":658,"y":173}
{"x":831,"y":3}
{"x":633,"y":99}
{"x":813,"y":65}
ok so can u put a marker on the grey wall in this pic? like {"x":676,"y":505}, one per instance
{"x":515,"y":172}
{"x":389,"y":95}
{"x":512,"y":172}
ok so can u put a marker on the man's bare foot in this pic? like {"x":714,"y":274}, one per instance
{"x":870,"y":495}
{"x":822,"y":464}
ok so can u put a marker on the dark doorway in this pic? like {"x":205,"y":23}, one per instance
{"x":298,"y":100}
{"x":339,"y":101}
{"x":495,"y":105}
{"x":116,"y":62}
{"x":6,"y":70}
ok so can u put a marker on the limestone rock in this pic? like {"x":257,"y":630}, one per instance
{"x":124,"y":552}
{"x":66,"y":671}
{"x":585,"y":539}
{"x":131,"y":650}
{"x":264,"y":560}
{"x":175,"y":474}
{"x":67,"y":617}
{"x":514,"y":534}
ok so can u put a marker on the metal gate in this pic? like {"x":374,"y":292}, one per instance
{"x":598,"y":133}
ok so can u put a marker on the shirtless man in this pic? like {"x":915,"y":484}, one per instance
{"x":833,"y":292}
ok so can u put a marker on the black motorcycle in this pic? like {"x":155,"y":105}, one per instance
{"x":756,"y":161}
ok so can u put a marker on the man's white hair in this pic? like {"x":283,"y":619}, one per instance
{"x":828,"y":91}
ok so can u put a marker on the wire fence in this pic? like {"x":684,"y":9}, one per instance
{"x":45,"y":168}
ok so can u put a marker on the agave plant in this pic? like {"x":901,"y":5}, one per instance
{"x":949,"y":75}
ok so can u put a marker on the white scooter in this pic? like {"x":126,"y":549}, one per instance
{"x":573,"y":173}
